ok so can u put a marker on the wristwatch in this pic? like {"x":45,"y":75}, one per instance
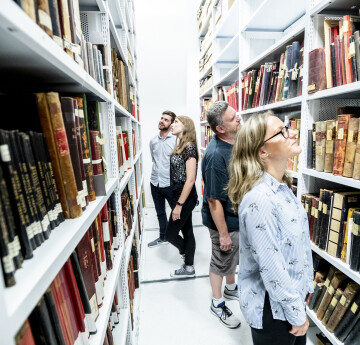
{"x":179,"y":203}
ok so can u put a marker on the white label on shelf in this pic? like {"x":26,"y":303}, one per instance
{"x":8,"y":264}
{"x":58,"y":40}
{"x":106,"y":231}
{"x":5,"y":153}
{"x":44,"y":19}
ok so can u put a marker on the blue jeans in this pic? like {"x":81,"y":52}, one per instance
{"x":159,"y":195}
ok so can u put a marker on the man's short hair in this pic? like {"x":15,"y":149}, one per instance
{"x":215,"y":113}
{"x":170,"y":113}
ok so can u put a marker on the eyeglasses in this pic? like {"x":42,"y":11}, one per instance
{"x":284,"y":132}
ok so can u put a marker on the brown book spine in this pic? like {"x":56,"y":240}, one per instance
{"x":352,"y":139}
{"x":320,"y":145}
{"x":329,"y":145}
{"x":356,"y":171}
{"x":96,"y":153}
{"x":55,"y":134}
{"x":338,"y":294}
{"x":340,"y":144}
{"x":317,"y":70}
{"x":345,"y":301}
{"x":83,"y":252}
{"x":64,"y":16}
{"x":86,"y":150}
{"x":43,"y":18}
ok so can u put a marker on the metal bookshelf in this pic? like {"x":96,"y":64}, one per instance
{"x":262,"y":39}
{"x":38,"y":64}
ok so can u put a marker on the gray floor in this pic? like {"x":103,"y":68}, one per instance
{"x":177,"y":312}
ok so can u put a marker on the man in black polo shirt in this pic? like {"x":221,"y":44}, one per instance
{"x":217,"y":212}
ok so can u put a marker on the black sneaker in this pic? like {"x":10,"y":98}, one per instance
{"x":231,"y":294}
{"x":225,"y":315}
{"x":157,"y":242}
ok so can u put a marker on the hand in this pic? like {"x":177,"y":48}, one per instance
{"x":225,"y":242}
{"x":176,"y":213}
{"x":298,"y":331}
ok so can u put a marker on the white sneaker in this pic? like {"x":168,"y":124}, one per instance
{"x":225,"y":315}
{"x":231,"y":294}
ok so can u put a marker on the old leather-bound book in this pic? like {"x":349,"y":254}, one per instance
{"x":349,"y":224}
{"x":356,"y":171}
{"x":351,"y":143}
{"x":346,"y":300}
{"x":16,"y":197}
{"x":330,"y":275}
{"x":335,"y":283}
{"x":64,"y":16}
{"x":340,"y":143}
{"x":316,"y":219}
{"x":55,"y":22}
{"x":330,"y":145}
{"x":288,"y":58}
{"x":68,"y":113}
{"x":294,"y":65}
{"x":320,"y":145}
{"x":319,"y":207}
{"x":354,"y":336}
{"x":347,"y":323}
{"x":25,"y":336}
{"x":90,"y":321}
{"x":317,"y":77}
{"x":325,"y":218}
{"x":355,"y":243}
{"x":334,"y":301}
{"x":43,"y":18}
{"x":52,"y":123}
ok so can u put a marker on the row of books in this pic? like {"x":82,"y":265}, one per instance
{"x":206,"y":136}
{"x":206,"y":83}
{"x":294,"y":123}
{"x":335,"y":302}
{"x":274,"y":81}
{"x":338,"y":63}
{"x":68,"y":311}
{"x":48,"y":173}
{"x":229,"y":94}
{"x":205,"y":105}
{"x":333,"y":223}
{"x":133,"y":277}
{"x":123,"y":150}
{"x":203,"y":12}
{"x":333,"y":145}
{"x":127,"y":207}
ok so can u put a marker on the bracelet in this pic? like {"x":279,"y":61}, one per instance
{"x":179,"y":203}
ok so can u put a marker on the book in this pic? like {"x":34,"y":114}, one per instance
{"x":347,"y":323}
{"x":351,"y":143}
{"x":320,"y":145}
{"x":55,"y":22}
{"x":330,"y":145}
{"x":323,"y":288}
{"x":349,"y":224}
{"x":24,"y":335}
{"x":354,"y":335}
{"x":317,"y":80}
{"x":330,"y":309}
{"x":327,"y":204}
{"x":356,"y":171}
{"x":64,"y":17}
{"x":355,"y":243}
{"x":346,"y":300}
{"x":51,"y":120}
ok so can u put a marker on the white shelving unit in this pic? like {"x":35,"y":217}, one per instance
{"x":27,"y":48}
{"x":255,"y":38}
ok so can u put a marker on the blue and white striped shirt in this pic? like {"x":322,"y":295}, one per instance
{"x":275,"y":254}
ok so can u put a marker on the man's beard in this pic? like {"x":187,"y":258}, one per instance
{"x":164,"y":128}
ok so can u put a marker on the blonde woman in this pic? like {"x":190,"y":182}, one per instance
{"x":275,"y":264}
{"x":183,"y":168}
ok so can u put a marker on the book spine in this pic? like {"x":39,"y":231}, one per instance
{"x":329,"y":145}
{"x":320,"y":145}
{"x":25,"y":336}
{"x":355,"y":243}
{"x":340,"y":144}
{"x":334,"y":301}
{"x":351,"y":144}
{"x":43,"y":16}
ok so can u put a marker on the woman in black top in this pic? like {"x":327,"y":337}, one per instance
{"x":183,"y":168}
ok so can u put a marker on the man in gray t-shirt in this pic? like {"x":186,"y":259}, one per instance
{"x":161,"y":146}
{"x":217,"y":212}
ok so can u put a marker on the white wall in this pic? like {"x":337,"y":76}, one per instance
{"x":167,"y":52}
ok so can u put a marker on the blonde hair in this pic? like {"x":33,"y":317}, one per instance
{"x":188,"y":135}
{"x":246,"y":166}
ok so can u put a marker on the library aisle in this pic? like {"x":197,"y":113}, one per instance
{"x":182,"y":306}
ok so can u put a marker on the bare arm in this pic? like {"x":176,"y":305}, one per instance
{"x":218,"y":216}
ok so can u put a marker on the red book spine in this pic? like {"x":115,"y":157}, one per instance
{"x":24,"y":336}
{"x":74,"y":295}
{"x":96,"y":153}
{"x":347,"y":32}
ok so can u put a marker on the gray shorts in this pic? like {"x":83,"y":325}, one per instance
{"x":224,"y":263}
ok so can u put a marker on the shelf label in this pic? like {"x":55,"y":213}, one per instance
{"x":5,"y":153}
